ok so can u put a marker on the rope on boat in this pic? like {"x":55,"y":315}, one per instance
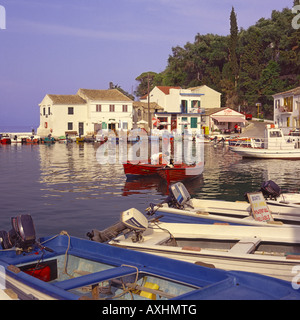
{"x":65,"y":233}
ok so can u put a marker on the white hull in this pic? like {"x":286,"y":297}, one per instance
{"x":241,"y":254}
{"x":248,"y":152}
{"x":234,"y":213}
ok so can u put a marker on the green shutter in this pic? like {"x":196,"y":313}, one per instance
{"x":194,"y":123}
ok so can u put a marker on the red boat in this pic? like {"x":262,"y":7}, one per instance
{"x":180,"y":172}
{"x":5,"y":139}
{"x":141,"y":169}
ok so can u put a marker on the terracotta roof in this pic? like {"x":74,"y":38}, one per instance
{"x":66,"y":99}
{"x":166,"y":90}
{"x":294,"y":91}
{"x":103,"y":95}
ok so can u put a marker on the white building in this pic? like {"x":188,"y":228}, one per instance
{"x":183,"y":108}
{"x":85,"y":113}
{"x":287,"y":110}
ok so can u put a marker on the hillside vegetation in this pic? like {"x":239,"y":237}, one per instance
{"x":247,"y":66}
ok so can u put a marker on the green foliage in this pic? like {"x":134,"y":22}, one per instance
{"x":247,"y":66}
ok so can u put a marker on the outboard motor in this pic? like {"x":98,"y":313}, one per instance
{"x":131,"y":220}
{"x":22,"y":234}
{"x":178,"y":196}
{"x":270,"y":190}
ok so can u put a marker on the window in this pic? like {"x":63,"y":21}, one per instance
{"x":288,"y":103}
{"x":194,"y":123}
{"x":48,"y":110}
{"x":111,"y":108}
{"x":125,"y":108}
{"x":70,"y":110}
{"x":196,"y":104}
{"x":70,"y":125}
{"x":125,"y":125}
{"x":139,"y":112}
{"x":98,"y":107}
{"x":44,"y":111}
{"x":184,"y":106}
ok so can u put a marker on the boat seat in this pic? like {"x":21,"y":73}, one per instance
{"x":94,"y":278}
{"x":246,"y":245}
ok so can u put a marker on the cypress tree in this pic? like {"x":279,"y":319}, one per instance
{"x":233,"y":46}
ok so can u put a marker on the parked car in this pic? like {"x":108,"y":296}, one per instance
{"x":248,"y":116}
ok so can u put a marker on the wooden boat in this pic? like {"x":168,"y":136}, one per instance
{"x":140,"y":169}
{"x":273,"y":146}
{"x":67,"y":268}
{"x":267,"y":251}
{"x":180,"y":207}
{"x":180,"y":172}
{"x":48,"y":140}
{"x":31,"y":140}
{"x":5,"y":139}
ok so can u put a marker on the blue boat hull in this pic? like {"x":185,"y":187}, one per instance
{"x":192,"y":282}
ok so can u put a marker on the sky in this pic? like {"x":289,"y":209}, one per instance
{"x":59,"y":46}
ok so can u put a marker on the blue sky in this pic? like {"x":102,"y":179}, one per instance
{"x":59,"y":46}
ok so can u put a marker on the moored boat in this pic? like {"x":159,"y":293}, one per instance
{"x":68,"y":268}
{"x":253,"y":249}
{"x":140,"y":169}
{"x":180,"y":207}
{"x":273,"y":146}
{"x":179,"y":172}
{"x":267,"y":251}
{"x":5,"y":139}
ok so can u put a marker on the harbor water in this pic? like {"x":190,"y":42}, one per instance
{"x":64,"y":187}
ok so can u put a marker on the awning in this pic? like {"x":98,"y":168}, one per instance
{"x":229,"y":119}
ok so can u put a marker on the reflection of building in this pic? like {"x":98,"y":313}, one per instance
{"x":85,"y":112}
{"x":183,"y":108}
{"x":287,"y":109}
{"x":140,"y":113}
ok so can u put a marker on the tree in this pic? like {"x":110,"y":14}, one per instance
{"x":116,"y":86}
{"x":233,"y":47}
{"x":143,"y":79}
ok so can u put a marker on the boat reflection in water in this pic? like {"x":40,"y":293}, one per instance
{"x":143,"y":183}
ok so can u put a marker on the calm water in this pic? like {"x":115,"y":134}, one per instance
{"x":63,"y":187}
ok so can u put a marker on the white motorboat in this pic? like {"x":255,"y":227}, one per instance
{"x":268,"y":251}
{"x":274,"y":145}
{"x":180,"y":207}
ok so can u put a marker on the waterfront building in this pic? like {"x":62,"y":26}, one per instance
{"x":85,"y":113}
{"x":183,"y":108}
{"x":287,"y":110}
{"x":225,"y":120}
{"x":140,"y":113}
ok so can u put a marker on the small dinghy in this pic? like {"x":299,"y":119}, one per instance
{"x":267,"y":251}
{"x":180,"y":207}
{"x":67,"y":268}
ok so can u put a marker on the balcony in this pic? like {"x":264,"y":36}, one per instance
{"x":285,"y":110}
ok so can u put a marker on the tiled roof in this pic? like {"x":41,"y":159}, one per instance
{"x":295,"y":91}
{"x":66,"y":99}
{"x":104,"y":95}
{"x":166,"y":90}
{"x":144,"y":105}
